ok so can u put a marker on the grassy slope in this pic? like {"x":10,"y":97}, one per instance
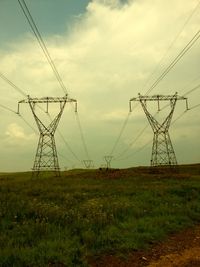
{"x":86,"y":213}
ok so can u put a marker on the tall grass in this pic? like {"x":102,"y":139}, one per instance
{"x":50,"y":221}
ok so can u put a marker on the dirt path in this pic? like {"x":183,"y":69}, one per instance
{"x":179,"y":250}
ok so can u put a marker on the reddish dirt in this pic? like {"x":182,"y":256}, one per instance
{"x":179,"y":250}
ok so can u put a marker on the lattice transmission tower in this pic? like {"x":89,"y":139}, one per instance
{"x":46,"y":158}
{"x":108,"y":160}
{"x":162,"y":149}
{"x":88,"y":163}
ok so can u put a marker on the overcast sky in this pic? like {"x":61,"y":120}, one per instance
{"x":106,"y":51}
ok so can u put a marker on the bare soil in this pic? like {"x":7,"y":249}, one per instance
{"x":178,"y":250}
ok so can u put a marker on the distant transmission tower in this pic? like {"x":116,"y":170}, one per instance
{"x":162,"y":149}
{"x":108,"y":160}
{"x":46,"y":158}
{"x":88,"y":163}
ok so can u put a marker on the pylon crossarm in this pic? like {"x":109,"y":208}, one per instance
{"x":158,"y":97}
{"x":41,"y":100}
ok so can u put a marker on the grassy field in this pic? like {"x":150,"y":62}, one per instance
{"x":65,"y":221}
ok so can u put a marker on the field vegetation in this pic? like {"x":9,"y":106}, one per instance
{"x":73,"y":220}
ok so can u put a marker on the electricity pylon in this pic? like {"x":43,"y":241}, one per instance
{"x":88,"y":163}
{"x":108,"y":161}
{"x":46,"y":158}
{"x":162,"y":149}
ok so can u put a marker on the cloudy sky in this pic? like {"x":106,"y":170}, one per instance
{"x":106,"y":51}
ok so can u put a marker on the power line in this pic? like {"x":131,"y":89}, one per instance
{"x":187,"y":93}
{"x":135,"y":152}
{"x":175,"y":61}
{"x":171,"y":45}
{"x":11,"y":110}
{"x":64,"y":157}
{"x":8,"y":109}
{"x":196,"y":106}
{"x":133,"y":142}
{"x":68,"y":146}
{"x":37,"y":34}
{"x":27,"y":123}
{"x":65,"y":142}
{"x":181,"y":115}
{"x":192,"y":90}
{"x":19,"y":90}
{"x":189,"y":83}
{"x":82,"y":136}
{"x":120,"y":133}
{"x":13,"y":85}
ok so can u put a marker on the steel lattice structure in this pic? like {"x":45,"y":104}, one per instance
{"x":108,"y":160}
{"x":162,"y":149}
{"x":88,"y":163}
{"x":46,"y":158}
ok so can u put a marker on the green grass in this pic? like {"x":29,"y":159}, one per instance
{"x":50,"y":221}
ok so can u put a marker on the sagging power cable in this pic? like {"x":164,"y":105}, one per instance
{"x":120,"y":133}
{"x":171,"y":45}
{"x":175,"y":61}
{"x":8,"y":109}
{"x":82,"y":136}
{"x":41,"y":42}
{"x":13,"y":85}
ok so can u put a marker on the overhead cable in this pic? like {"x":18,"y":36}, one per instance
{"x":175,"y":61}
{"x":9,"y":109}
{"x":120,"y":133}
{"x":171,"y":45}
{"x":37,"y":34}
{"x":21,"y":117}
{"x":133,"y":142}
{"x":27,"y":123}
{"x":135,"y":152}
{"x":13,"y":85}
{"x":192,"y":90}
{"x":64,"y":157}
{"x":196,"y":106}
{"x":65,"y":142}
{"x":82,"y":136}
{"x":68,"y":146}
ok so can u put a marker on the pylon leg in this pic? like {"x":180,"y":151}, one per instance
{"x":162,"y":150}
{"x":46,"y":158}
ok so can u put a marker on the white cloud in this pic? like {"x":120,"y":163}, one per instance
{"x":105,"y":60}
{"x":15,"y":135}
